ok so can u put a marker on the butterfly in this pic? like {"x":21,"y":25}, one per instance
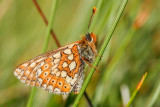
{"x":60,"y":71}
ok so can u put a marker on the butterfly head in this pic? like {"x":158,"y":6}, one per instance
{"x":90,"y":37}
{"x":87,"y":47}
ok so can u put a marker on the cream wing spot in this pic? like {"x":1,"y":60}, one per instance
{"x":70,"y":57}
{"x":58,"y":74}
{"x":72,"y":65}
{"x":27,"y":72}
{"x":57,"y":55}
{"x":64,"y":64}
{"x":62,"y":93}
{"x":52,"y":63}
{"x":32,"y":83}
{"x":23,"y":79}
{"x":57,"y":91}
{"x":68,"y":79}
{"x":39,"y":60}
{"x":39,"y":65}
{"x":42,"y":63}
{"x":63,"y":74}
{"x":24,"y":65}
{"x":33,"y":64}
{"x":30,"y":76}
{"x":67,"y":51}
{"x":38,"y":73}
{"x":73,"y":81}
{"x":67,"y":93}
{"x":71,"y":45}
{"x":76,"y":76}
{"x":39,"y":81}
{"x":50,"y":88}
{"x":44,"y":86}
{"x":54,"y":71}
{"x":54,"y":67}
{"x":20,"y":74}
{"x":28,"y":82}
{"x":17,"y":71}
{"x":56,"y":61}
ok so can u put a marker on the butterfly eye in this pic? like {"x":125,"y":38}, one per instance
{"x":88,"y":37}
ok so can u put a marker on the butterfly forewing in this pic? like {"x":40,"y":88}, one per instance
{"x":55,"y":71}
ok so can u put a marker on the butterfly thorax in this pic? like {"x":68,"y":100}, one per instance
{"x":86,"y":52}
{"x":87,"y":47}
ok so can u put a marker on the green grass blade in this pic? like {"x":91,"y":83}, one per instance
{"x":48,"y":31}
{"x":156,"y":92}
{"x":31,"y":97}
{"x":102,"y":49}
{"x":136,"y":90}
{"x":155,"y":96}
{"x":49,"y":27}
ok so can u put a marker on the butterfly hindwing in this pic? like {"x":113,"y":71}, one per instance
{"x":56,"y":71}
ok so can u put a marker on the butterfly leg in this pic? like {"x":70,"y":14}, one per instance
{"x":89,"y":64}
{"x":93,"y":48}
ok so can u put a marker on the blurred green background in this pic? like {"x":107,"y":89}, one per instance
{"x":133,"y":50}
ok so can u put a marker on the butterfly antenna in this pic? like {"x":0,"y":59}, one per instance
{"x":93,"y":13}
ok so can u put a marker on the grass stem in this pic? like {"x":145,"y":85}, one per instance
{"x":46,"y":22}
{"x":137,"y":89}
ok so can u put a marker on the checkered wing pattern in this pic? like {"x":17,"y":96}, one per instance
{"x":56,"y":71}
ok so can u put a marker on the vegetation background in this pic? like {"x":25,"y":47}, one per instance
{"x":133,"y":50}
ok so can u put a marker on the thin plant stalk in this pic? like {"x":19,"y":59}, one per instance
{"x":49,"y":27}
{"x":136,"y":90}
{"x":102,"y":49}
{"x":88,"y":99}
{"x":46,"y":22}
